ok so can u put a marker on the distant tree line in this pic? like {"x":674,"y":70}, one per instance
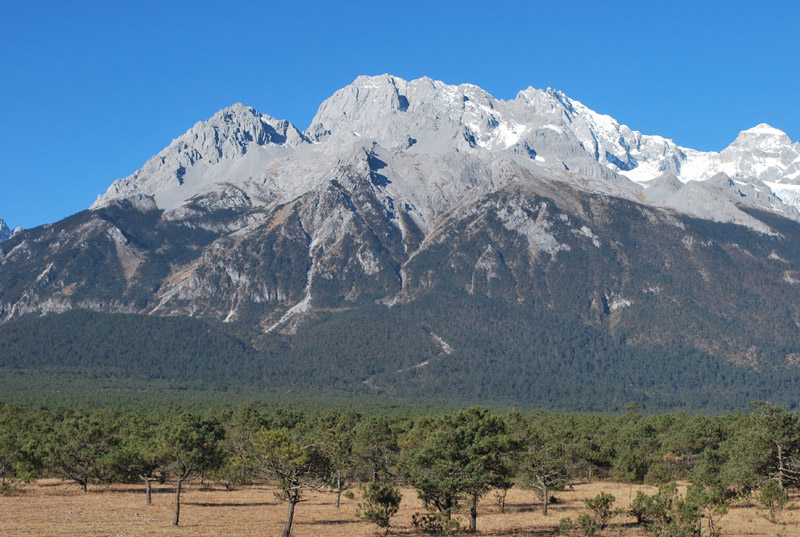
{"x":452,"y":460}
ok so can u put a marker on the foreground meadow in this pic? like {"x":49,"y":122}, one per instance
{"x":53,"y":507}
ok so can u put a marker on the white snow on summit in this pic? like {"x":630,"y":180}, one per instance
{"x":764,"y":129}
{"x":438,"y":144}
{"x":763,"y":153}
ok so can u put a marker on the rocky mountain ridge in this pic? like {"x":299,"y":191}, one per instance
{"x":415,"y":225}
{"x":395,"y":121}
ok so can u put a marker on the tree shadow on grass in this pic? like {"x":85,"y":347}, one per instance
{"x":519,"y":530}
{"x":231,"y":504}
{"x":533,"y":507}
{"x":523,"y":507}
{"x":328,"y":522}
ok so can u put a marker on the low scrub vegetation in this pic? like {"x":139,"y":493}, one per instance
{"x":452,"y":462}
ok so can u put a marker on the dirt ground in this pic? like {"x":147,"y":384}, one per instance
{"x":51,"y":507}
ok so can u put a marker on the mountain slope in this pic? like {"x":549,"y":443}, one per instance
{"x":422,"y":237}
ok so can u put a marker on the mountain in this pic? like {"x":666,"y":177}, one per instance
{"x":422,"y":238}
{"x":420,"y":121}
{"x":4,"y":231}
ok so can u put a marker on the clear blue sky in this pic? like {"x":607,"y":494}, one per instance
{"x":90,"y":90}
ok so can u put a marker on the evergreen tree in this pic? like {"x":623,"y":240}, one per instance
{"x":381,"y":503}
{"x":457,"y":457}
{"x":81,"y":448}
{"x":297,"y":464}
{"x":189,"y":444}
{"x":543,"y":468}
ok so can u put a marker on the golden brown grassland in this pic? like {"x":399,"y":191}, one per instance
{"x":52,"y":507}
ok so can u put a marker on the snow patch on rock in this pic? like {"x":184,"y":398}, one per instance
{"x":435,"y":145}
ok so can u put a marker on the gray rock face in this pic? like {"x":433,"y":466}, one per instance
{"x":400,"y":191}
{"x":4,"y":231}
{"x":765,"y":153}
{"x":234,"y":143}
{"x":438,"y":145}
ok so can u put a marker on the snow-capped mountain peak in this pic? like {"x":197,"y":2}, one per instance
{"x":762,"y":156}
{"x":766,"y":140}
{"x":763,"y":129}
{"x":763,"y":152}
{"x":425,"y":124}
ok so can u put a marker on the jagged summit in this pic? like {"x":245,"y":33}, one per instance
{"x":440,"y":143}
{"x":192,"y":161}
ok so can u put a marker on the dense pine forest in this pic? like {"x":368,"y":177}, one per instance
{"x":452,"y":459}
{"x":373,"y":356}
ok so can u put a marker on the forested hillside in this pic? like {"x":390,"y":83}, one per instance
{"x":458,"y":265}
{"x":373,"y":356}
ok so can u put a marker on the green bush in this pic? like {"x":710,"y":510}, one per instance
{"x":380,"y":504}
{"x":773,"y":498}
{"x":587,"y":524}
{"x":602,"y":507}
{"x":566,"y":526}
{"x":640,"y":507}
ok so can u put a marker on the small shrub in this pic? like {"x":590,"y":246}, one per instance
{"x":436,"y":523}
{"x":711,"y":504}
{"x":602,"y":507}
{"x":381,"y":503}
{"x":566,"y":526}
{"x":773,"y":498}
{"x":641,"y":507}
{"x":659,"y":474}
{"x":11,"y":488}
{"x":587,"y":524}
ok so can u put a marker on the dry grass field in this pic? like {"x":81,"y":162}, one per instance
{"x":51,"y":507}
